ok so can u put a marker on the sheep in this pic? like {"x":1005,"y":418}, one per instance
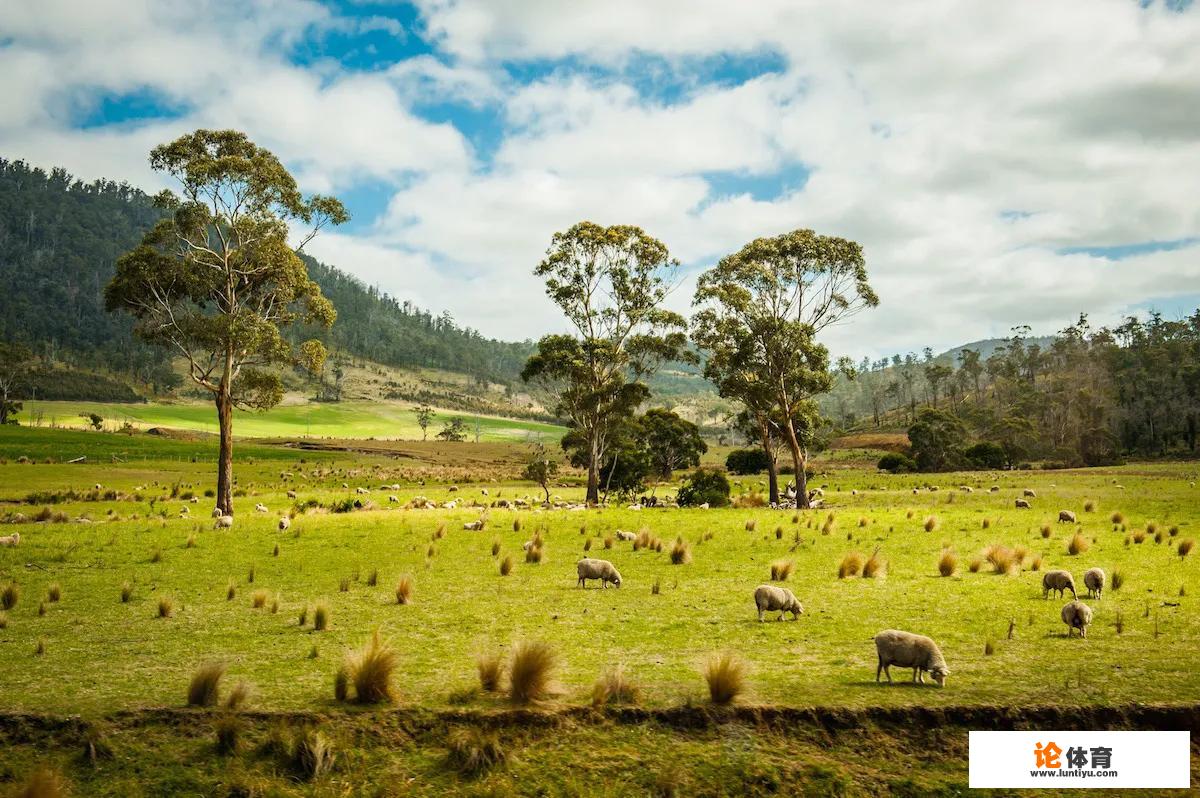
{"x":994,"y":489}
{"x":261,"y":508}
{"x":291,"y":494}
{"x":623,"y":535}
{"x":453,"y":488}
{"x":769,"y":598}
{"x":483,"y":491}
{"x":1029,"y":492}
{"x":606,"y":572}
{"x":194,"y":500}
{"x":11,"y":540}
{"x":217,"y":512}
{"x":474,"y":526}
{"x":284,"y":523}
{"x":1093,"y":580}
{"x":361,"y":491}
{"x":393,"y":499}
{"x":224,"y":522}
{"x":1066,"y":517}
{"x":1076,"y":615}
{"x":1059,"y":581}
{"x":909,"y":650}
{"x":1021,"y":504}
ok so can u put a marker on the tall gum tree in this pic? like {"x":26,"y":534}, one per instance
{"x":215,"y":281}
{"x":761,"y":311}
{"x":610,"y":283}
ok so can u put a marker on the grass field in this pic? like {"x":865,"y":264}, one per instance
{"x":100,"y":656}
{"x":352,"y":419}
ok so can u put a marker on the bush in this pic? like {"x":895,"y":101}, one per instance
{"x":897,"y":463}
{"x":986,"y":454}
{"x":747,"y":461}
{"x":704,"y":486}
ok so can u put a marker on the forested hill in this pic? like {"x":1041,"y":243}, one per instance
{"x":60,"y":238}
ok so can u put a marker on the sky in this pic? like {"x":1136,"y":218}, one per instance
{"x":1002,"y":163}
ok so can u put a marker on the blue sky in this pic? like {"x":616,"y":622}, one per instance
{"x":996,"y":171}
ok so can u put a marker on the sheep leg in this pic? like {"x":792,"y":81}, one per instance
{"x":878,"y":669}
{"x":781,"y":615}
{"x":760,"y":615}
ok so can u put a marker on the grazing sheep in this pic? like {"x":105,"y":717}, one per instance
{"x":483,"y":491}
{"x":284,"y":523}
{"x":224,"y":522}
{"x":11,"y":540}
{"x":769,"y":598}
{"x":361,"y":491}
{"x":394,"y":499}
{"x":1021,"y":504}
{"x":261,"y":508}
{"x":994,"y":489}
{"x":217,"y":512}
{"x":1058,"y":580}
{"x":1066,"y":517}
{"x":474,"y":526}
{"x":1076,"y":615}
{"x":194,"y":500}
{"x":623,"y":535}
{"x":453,"y":488}
{"x":606,"y":572}
{"x":291,"y":494}
{"x":909,"y":650}
{"x":1093,"y":580}
{"x":1029,"y":492}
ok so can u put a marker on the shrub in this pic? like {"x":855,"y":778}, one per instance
{"x":986,"y":454}
{"x":851,"y":565}
{"x":947,"y":563}
{"x":404,"y":589}
{"x":491,"y":669}
{"x":897,"y":463}
{"x":205,"y":688}
{"x":371,"y":671}
{"x":1185,"y":547}
{"x":530,"y":671}
{"x":704,"y":486}
{"x":681,"y":553}
{"x":781,"y":570}
{"x":312,"y":754}
{"x":166,"y":607}
{"x":747,"y":461}
{"x":1077,"y":545}
{"x":320,"y":617}
{"x":10,"y":595}
{"x":473,"y":751}
{"x":725,"y":674}
{"x":614,"y":687}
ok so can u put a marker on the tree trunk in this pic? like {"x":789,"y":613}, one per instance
{"x":772,"y":468}
{"x":593,"y":479}
{"x":225,"y":456}
{"x":798,"y":464}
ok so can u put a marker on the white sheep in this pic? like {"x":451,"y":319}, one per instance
{"x":217,"y":512}
{"x":11,"y":540}
{"x":261,"y":508}
{"x":1093,"y":580}
{"x":393,"y":499}
{"x":769,"y":598}
{"x":626,"y":536}
{"x":284,"y":523}
{"x":606,"y":572}
{"x":291,"y":494}
{"x":224,"y":522}
{"x":1076,"y":615}
{"x":361,"y":491}
{"x":474,"y":526}
{"x":483,"y":491}
{"x":1066,"y":517}
{"x":994,"y":489}
{"x":909,"y":650}
{"x":1059,"y":581}
{"x":1021,"y":504}
{"x":453,"y":488}
{"x":1030,"y":493}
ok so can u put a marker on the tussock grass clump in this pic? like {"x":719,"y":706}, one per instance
{"x":587,"y":544}
{"x":473,"y":751}
{"x":370,"y":670}
{"x":1118,"y":518}
{"x":275,"y":551}
{"x":531,"y":671}
{"x":1139,"y":536}
{"x":1078,"y":544}
{"x":1021,"y":553}
{"x":41,"y":647}
{"x":1116,"y":579}
{"x":827,"y":527}
{"x":258,"y":599}
{"x":204,"y":690}
{"x":404,"y":590}
{"x":987,"y":523}
{"x":156,"y":556}
{"x":42,"y":783}
{"x":303,"y":619}
{"x":491,"y":670}
{"x":975,"y":565}
{"x":656,"y":588}
{"x":1173,"y":531}
{"x":778,"y":533}
{"x":615,"y":687}
{"x":1036,"y":564}
{"x":681,"y":553}
{"x":725,"y":675}
{"x":608,"y":541}
{"x":495,"y":547}
{"x":3,"y":620}
{"x":250,"y":576}
{"x":947,"y":563}
{"x":373,"y":578}
{"x":231,"y":591}
{"x":1045,"y":530}
{"x":781,"y":570}
{"x":931,"y":523}
{"x":989,"y":648}
{"x":41,"y":608}
{"x":1185,"y":547}
{"x":344,"y":585}
{"x":851,"y":565}
{"x":9,"y":596}
{"x":751,"y":525}
{"x":1159,"y":537}
{"x":534,"y":554}
{"x":645,"y":540}
{"x":1002,"y":559}
{"x":166,"y":607}
{"x":238,"y":697}
{"x":506,"y":565}
{"x":190,"y":543}
{"x":1089,"y":507}
{"x":229,"y":734}
{"x":312,"y":754}
{"x":320,"y":617}
{"x":875,"y":566}
{"x":341,"y":682}
{"x":516,"y":525}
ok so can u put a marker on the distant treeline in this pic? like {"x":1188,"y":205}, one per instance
{"x":59,"y":241}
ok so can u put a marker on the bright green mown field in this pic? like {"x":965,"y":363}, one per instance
{"x":359,"y":419}
{"x":101,"y":655}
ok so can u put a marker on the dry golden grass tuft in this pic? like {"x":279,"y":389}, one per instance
{"x":531,"y":672}
{"x":587,"y":544}
{"x":491,"y":670}
{"x":975,"y":565}
{"x":166,"y":607}
{"x":615,"y":687}
{"x":238,"y":697}
{"x":506,"y":565}
{"x":495,"y":547}
{"x":231,"y":591}
{"x":370,"y":670}
{"x":10,"y":595}
{"x":851,"y":565}
{"x":947,"y":563}
{"x":780,"y":571}
{"x":931,"y":523}
{"x":1118,"y":518}
{"x":404,"y":590}
{"x":204,"y":690}
{"x":875,"y":566}
{"x":681,"y":552}
{"x":1139,"y":536}
{"x":1002,"y":559}
{"x":751,"y":525}
{"x":473,"y":751}
{"x":1185,"y":547}
{"x":42,"y":783}
{"x":1077,"y":545}
{"x":320,"y":617}
{"x":725,"y":675}
{"x":229,"y":734}
{"x":516,"y":525}
{"x":312,"y":754}
{"x":258,"y":599}
{"x":373,"y":578}
{"x":1089,"y":507}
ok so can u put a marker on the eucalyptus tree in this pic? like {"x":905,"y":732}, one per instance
{"x":610,"y":283}
{"x":763,"y":308}
{"x":215,"y":280}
